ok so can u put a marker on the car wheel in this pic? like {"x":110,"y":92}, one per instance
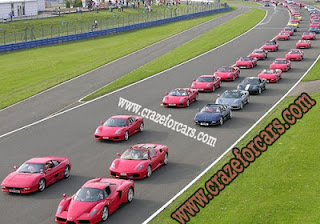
{"x":66,"y":172}
{"x":105,"y":213}
{"x":165,"y":160}
{"x":241,"y":106}
{"x":126,"y":136}
{"x":42,"y":184}
{"x":141,"y":127}
{"x":221,"y":120}
{"x":149,"y":172}
{"x":188,"y":103}
{"x":230,"y":114}
{"x":259,"y":91}
{"x":130,"y":195}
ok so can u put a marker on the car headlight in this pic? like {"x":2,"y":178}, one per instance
{"x":183,"y":99}
{"x":94,"y":211}
{"x":193,"y":85}
{"x":218,"y":101}
{"x":26,"y":188}
{"x":209,"y":85}
{"x":140,"y":167}
{"x":59,"y":209}
{"x":118,"y":132}
{"x":98,"y":131}
{"x":229,"y":74}
{"x":237,"y":101}
{"x":165,"y":99}
{"x":113,"y":165}
{"x":239,"y":87}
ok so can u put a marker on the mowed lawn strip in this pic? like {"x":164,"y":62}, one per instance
{"x":278,"y":187}
{"x":191,"y":49}
{"x":26,"y":73}
{"x":314,"y":73}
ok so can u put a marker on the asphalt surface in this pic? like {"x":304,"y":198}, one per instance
{"x":71,"y":134}
{"x":67,"y":95}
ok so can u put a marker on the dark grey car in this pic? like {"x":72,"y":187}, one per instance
{"x":253,"y":85}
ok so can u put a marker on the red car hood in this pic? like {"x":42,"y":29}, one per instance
{"x":107,"y":131}
{"x":275,"y":66}
{"x":223,"y":74}
{"x":15,"y":179}
{"x":176,"y":99}
{"x":266,"y":76}
{"x":78,"y":208}
{"x":200,"y":85}
{"x":124,"y":165}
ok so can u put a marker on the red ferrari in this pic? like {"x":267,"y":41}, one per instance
{"x":294,"y":20}
{"x":259,"y":53}
{"x":36,"y":174}
{"x":303,"y":44}
{"x":308,"y":36}
{"x":227,"y":73}
{"x":272,"y":75}
{"x":180,"y":97}
{"x":95,"y":201}
{"x":283,"y":36}
{"x":295,"y":55}
{"x":246,"y":62}
{"x":139,"y":161}
{"x":281,"y":63}
{"x":288,"y":31}
{"x":270,"y":46}
{"x":206,"y":83}
{"x":119,"y":128}
{"x":314,"y":24}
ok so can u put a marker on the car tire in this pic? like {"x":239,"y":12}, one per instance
{"x":126,"y":136}
{"x":165,"y":160}
{"x":141,"y":127}
{"x":42,"y":185}
{"x":149,"y":171}
{"x":188,"y":103}
{"x":130,"y":195}
{"x":66,"y":172}
{"x":104,"y":213}
{"x":221,"y":120}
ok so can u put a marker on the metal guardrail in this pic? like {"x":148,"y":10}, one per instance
{"x":102,"y":32}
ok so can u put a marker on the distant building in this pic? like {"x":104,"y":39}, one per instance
{"x":20,"y":8}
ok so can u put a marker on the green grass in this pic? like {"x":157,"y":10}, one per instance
{"x":279,"y":187}
{"x":314,"y":73}
{"x":205,"y":42}
{"x":240,"y":2}
{"x":26,"y":73}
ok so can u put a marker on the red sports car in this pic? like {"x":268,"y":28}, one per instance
{"x":206,"y":83}
{"x":119,"y":128}
{"x":294,"y":20}
{"x":95,"y":201}
{"x":314,"y":24}
{"x":139,"y":161}
{"x":270,"y":46}
{"x":303,"y":44}
{"x":288,"y":31}
{"x":283,"y":36}
{"x":295,"y":55}
{"x":281,"y":63}
{"x":315,"y":20}
{"x":272,"y":75}
{"x":227,"y":73}
{"x":314,"y":15}
{"x":246,"y":62}
{"x":180,"y":97}
{"x":308,"y":36}
{"x":259,"y":53}
{"x":36,"y":174}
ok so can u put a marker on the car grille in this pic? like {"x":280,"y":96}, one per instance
{"x":14,"y":188}
{"x":83,"y":221}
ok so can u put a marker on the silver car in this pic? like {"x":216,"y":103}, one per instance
{"x":234,"y":98}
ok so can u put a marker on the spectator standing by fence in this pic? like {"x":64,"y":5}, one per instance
{"x":95,"y":23}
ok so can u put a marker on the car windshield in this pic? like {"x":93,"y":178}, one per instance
{"x":258,"y":51}
{"x":225,"y":69}
{"x":283,"y":34}
{"x":245,"y":59}
{"x":294,"y":52}
{"x":251,"y":81}
{"x":135,"y":154}
{"x":230,"y":94}
{"x":269,"y":71}
{"x":88,"y":194}
{"x":115,"y":122}
{"x":270,"y":43}
{"x":210,"y":109}
{"x":280,"y":61}
{"x":309,"y":33}
{"x":31,"y":168}
{"x":204,"y":79}
{"x":288,"y":29}
{"x":180,"y":92}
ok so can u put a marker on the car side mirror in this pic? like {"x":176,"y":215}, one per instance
{"x":118,"y":154}
{"x":166,"y":93}
{"x":194,"y":80}
{"x":64,"y":196}
{"x":15,"y":167}
{"x":101,"y":122}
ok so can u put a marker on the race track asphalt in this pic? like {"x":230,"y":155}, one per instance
{"x":71,"y":134}
{"x":67,"y":95}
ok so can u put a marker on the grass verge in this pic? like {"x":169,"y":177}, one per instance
{"x":279,"y":187}
{"x":240,"y":2}
{"x":26,"y":73}
{"x":197,"y":46}
{"x":314,"y":73}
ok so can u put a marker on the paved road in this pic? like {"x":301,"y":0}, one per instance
{"x":70,"y":134}
{"x":68,"y":94}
